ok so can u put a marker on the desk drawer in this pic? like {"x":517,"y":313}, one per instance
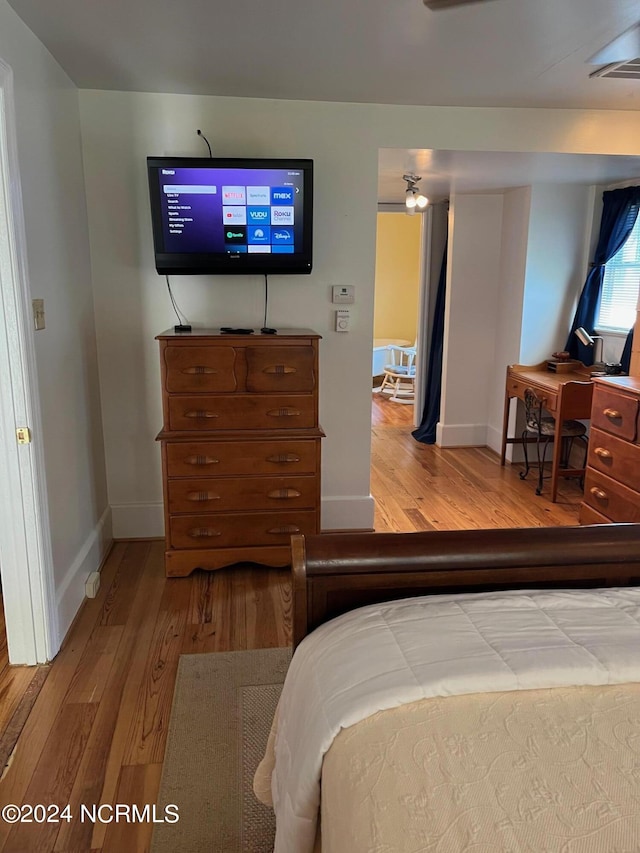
{"x":615,"y":414}
{"x":242,"y":412}
{"x":612,"y":499}
{"x":614,"y":457}
{"x":517,"y":387}
{"x":232,"y":530}
{"x":222,"y":494}
{"x":222,"y":458}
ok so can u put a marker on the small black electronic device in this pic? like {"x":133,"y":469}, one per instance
{"x":265,"y":330}
{"x":225,"y":216}
{"x":228,"y":330}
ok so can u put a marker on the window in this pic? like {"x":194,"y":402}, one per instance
{"x":619,"y":297}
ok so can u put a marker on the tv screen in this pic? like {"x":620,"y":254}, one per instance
{"x":226,"y":216}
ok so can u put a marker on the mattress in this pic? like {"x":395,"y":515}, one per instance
{"x":554,"y":770}
{"x":390,"y":655}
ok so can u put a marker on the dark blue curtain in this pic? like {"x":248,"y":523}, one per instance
{"x":426,"y":432}
{"x":619,"y":214}
{"x":625,"y":359}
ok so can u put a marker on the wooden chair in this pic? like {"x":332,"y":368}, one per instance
{"x":542,"y":426}
{"x":400,"y":374}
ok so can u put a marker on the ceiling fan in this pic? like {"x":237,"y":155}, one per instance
{"x":435,"y":5}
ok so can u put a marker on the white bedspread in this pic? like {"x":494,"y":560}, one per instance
{"x":386,"y":655}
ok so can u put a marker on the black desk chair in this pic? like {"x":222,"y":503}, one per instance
{"x":543,"y":427}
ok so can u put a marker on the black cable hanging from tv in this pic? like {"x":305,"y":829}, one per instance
{"x":200,"y":133}
{"x":181,"y":326}
{"x":267,"y":330}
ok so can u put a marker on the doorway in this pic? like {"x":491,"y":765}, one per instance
{"x":26,"y":564}
{"x":397,"y":296}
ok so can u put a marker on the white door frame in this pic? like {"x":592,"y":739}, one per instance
{"x":26,"y":560}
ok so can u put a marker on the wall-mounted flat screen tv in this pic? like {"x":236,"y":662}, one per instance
{"x":224,"y":216}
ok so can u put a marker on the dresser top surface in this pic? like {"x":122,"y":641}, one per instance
{"x":624,"y":384}
{"x":197,"y":334}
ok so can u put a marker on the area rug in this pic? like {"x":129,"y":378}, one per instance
{"x":222,"y":709}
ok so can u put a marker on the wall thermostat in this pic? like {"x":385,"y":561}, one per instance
{"x":342,"y":320}
{"x":343,"y":293}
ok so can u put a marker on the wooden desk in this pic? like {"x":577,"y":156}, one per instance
{"x":566,"y":395}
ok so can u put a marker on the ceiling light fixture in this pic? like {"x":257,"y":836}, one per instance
{"x":413,"y":198}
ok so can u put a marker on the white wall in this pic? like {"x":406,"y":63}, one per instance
{"x":50,"y":160}
{"x":558,"y":245}
{"x":121,"y":129}
{"x":471,"y":314}
{"x":513,"y":258}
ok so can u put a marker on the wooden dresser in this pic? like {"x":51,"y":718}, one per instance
{"x":612,"y":482}
{"x":240,"y":446}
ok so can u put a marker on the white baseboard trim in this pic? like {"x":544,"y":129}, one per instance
{"x":138,"y":521}
{"x":461,"y":435}
{"x":70,"y":593}
{"x":354,"y":512}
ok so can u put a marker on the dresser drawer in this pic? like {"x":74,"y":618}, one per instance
{"x":283,"y":369}
{"x":221,"y":458}
{"x":228,"y":530}
{"x":223,"y":494}
{"x":200,"y":369}
{"x":615,"y":414}
{"x":241,"y":412}
{"x":611,"y":498}
{"x":614,"y":457}
{"x":588,"y":515}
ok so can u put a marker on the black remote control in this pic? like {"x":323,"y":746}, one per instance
{"x":227,"y":330}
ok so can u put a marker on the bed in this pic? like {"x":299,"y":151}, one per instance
{"x":500,"y":714}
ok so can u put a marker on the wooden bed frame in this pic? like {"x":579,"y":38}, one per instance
{"x":334,"y":573}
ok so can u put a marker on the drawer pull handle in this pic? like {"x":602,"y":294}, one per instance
{"x":198,"y":370}
{"x":203,"y":496}
{"x":286,"y":528}
{"x":203,"y":532}
{"x":283,"y":413}
{"x":201,"y":460}
{"x":603,"y":452}
{"x":279,"y":369}
{"x":198,"y":414}
{"x":284,"y":494}
{"x":600,"y":494}
{"x":612,"y":414}
{"x":283,"y":457}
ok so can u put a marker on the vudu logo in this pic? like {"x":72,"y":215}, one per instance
{"x":256,"y":215}
{"x":282,"y":195}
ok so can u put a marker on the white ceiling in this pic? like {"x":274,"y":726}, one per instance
{"x":503,"y":53}
{"x":445,"y":172}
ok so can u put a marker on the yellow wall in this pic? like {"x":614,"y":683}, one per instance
{"x":397,"y":276}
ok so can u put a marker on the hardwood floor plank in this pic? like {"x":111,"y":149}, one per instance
{"x":118,"y":604}
{"x":90,"y":677}
{"x":54,"y":776}
{"x":150,"y":720}
{"x":98,"y":774}
{"x":137,"y":637}
{"x":36,"y":730}
{"x":138,"y":784}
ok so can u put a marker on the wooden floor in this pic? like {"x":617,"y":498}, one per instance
{"x":97,"y":732}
